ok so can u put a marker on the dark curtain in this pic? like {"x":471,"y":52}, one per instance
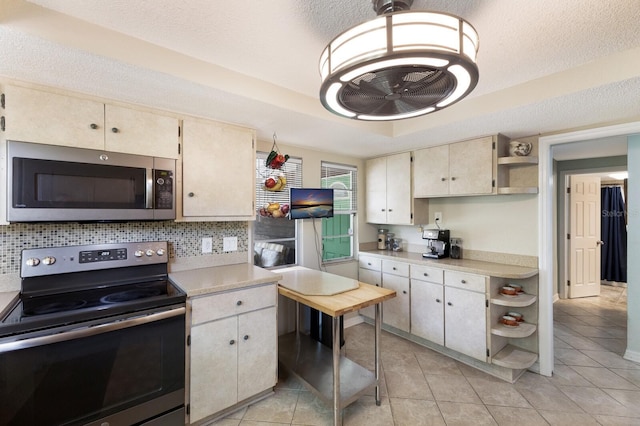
{"x":614,"y":235}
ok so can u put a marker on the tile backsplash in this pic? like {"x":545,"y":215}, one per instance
{"x":185,"y":238}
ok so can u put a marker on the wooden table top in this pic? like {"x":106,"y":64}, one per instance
{"x":342,"y":303}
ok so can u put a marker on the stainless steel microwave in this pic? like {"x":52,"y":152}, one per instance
{"x":49,"y":183}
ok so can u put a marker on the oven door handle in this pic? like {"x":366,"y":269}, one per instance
{"x":79,"y":333}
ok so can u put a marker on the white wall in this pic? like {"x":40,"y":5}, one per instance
{"x":633,"y":248}
{"x":501,"y":224}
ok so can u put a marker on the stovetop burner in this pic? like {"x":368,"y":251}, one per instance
{"x":128,"y":295}
{"x":53,"y":307}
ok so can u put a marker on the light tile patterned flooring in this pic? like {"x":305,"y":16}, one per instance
{"x":592,"y":384}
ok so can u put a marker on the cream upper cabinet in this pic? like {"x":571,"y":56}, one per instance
{"x":44,"y":117}
{"x":218,"y":171}
{"x":140,"y":132}
{"x":461,"y":168}
{"x":389,"y":198}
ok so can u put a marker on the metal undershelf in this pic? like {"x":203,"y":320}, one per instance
{"x":312,"y":363}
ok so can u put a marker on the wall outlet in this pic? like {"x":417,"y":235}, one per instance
{"x":437,"y":217}
{"x":230,"y":244}
{"x":207,"y":245}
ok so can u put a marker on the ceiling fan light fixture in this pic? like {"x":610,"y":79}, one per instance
{"x":399,"y":65}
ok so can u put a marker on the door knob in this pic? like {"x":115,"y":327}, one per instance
{"x":600,"y":243}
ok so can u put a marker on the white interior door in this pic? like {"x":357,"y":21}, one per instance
{"x":584,"y":236}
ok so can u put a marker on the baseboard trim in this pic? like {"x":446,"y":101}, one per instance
{"x":632,"y":355}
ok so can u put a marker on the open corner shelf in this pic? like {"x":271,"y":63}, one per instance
{"x":522,"y":330}
{"x":513,"y":357}
{"x":519,"y":301}
{"x":514,"y":161}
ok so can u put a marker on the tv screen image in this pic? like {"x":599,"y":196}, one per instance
{"x":309,"y":203}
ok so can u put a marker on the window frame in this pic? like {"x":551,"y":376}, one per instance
{"x":330,"y":170}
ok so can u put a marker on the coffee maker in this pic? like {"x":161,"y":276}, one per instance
{"x":437,"y":243}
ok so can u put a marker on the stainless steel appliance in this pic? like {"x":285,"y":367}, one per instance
{"x":97,"y":337}
{"x":437,"y":243}
{"x":56,"y":183}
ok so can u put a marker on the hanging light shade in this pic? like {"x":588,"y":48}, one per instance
{"x":401,"y":64}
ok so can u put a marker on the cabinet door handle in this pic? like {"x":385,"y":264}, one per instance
{"x":394,"y":268}
{"x":437,"y":300}
{"x":93,"y":126}
{"x":449,"y":303}
{"x":404,"y":291}
{"x":381,"y":209}
{"x":443,"y":179}
{"x":246,"y":337}
{"x":453,"y":178}
{"x":191,"y":194}
{"x":239,"y":302}
{"x":232,"y":342}
{"x":390,"y":210}
{"x":115,"y":130}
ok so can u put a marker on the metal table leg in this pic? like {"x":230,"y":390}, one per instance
{"x":337,"y":408}
{"x":377,"y":350}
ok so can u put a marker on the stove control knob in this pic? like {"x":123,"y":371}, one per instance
{"x":150,"y":252}
{"x":160,"y":252}
{"x":33,"y":261}
{"x":49,"y":260}
{"x":138,"y":253}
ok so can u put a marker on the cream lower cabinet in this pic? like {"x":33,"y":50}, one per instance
{"x":396,"y":311}
{"x":370,"y":272}
{"x":465,"y":313}
{"x":218,"y":171}
{"x":427,"y":303}
{"x":233,"y":351}
{"x":39,"y":116}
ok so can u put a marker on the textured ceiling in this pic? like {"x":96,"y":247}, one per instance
{"x":545,"y":66}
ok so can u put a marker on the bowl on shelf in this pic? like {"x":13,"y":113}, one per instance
{"x":508,"y":291}
{"x":518,"y":287}
{"x":517,"y":315}
{"x":509,"y":321}
{"x":519,"y":149}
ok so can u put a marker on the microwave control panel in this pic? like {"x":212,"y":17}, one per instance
{"x":164,"y":189}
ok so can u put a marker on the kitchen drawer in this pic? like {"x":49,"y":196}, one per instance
{"x":465,"y":281}
{"x":427,"y":273}
{"x":213,"y":307}
{"x":368,"y":262}
{"x":395,"y":268}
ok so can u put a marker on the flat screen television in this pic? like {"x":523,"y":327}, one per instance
{"x":308,"y":203}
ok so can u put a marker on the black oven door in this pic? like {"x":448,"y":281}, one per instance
{"x":123,"y":372}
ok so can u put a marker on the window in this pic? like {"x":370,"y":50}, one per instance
{"x":337,"y":232}
{"x":275,"y":239}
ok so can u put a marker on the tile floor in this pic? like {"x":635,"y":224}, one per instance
{"x":592,"y":384}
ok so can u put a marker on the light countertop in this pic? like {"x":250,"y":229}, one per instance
{"x":198,"y":282}
{"x":462,"y":265}
{"x":7,"y":298}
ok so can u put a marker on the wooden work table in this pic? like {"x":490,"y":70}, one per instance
{"x":310,"y":360}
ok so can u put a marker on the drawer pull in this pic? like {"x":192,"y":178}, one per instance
{"x":425,"y":274}
{"x":394,"y":268}
{"x":437,"y":300}
{"x":246,"y":337}
{"x":232,"y":342}
{"x":463,"y":281}
{"x":369,"y":263}
{"x":239,"y":302}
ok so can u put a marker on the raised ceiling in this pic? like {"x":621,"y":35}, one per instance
{"x":545,"y":66}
